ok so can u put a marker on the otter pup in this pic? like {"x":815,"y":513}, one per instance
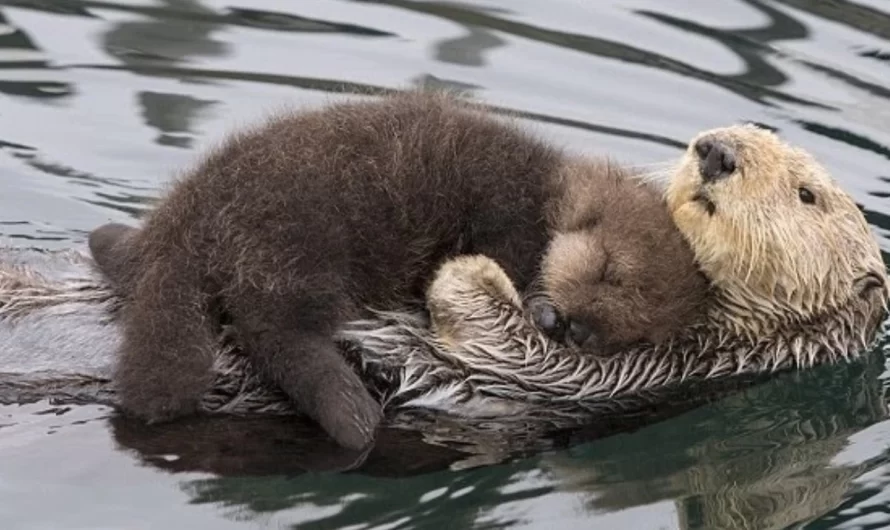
{"x":296,"y":227}
{"x":616,"y":270}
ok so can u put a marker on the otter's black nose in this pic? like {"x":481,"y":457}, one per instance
{"x":579,"y":332}
{"x":716,"y":159}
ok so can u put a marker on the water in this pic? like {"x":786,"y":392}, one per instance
{"x":102,"y":102}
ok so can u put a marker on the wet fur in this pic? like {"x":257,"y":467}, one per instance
{"x":483,"y":346}
{"x":775,"y":262}
{"x":477,"y":356}
{"x":297,"y":226}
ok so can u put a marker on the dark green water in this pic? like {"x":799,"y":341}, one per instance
{"x":101,"y":102}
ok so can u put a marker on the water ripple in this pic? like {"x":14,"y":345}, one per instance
{"x":102,"y":102}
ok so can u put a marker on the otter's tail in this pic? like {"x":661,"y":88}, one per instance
{"x":168,"y":342}
{"x":115,"y":255}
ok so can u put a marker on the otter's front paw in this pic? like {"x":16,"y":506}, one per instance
{"x":348,"y":413}
{"x":547,"y":318}
{"x":580,"y":334}
{"x":558,"y":327}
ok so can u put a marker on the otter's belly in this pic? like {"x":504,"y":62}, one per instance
{"x":484,"y":361}
{"x":57,"y":338}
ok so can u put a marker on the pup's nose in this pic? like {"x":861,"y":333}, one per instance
{"x":716,"y":159}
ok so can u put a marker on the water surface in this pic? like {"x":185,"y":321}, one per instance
{"x":101,"y":103}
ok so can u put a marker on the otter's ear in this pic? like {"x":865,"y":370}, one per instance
{"x":870,"y":283}
{"x":761,"y":125}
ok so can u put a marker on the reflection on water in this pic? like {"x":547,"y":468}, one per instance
{"x":168,"y":41}
{"x":20,"y":53}
{"x":760,"y":459}
{"x":102,"y":101}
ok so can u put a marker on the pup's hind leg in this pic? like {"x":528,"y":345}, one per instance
{"x":111,"y":246}
{"x":166,"y":357}
{"x":290,"y":338}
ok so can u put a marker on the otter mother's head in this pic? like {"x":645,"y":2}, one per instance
{"x":782,"y":243}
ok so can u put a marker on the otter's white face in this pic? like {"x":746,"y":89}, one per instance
{"x":771,"y":228}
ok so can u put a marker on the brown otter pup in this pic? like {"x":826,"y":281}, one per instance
{"x":616,"y":270}
{"x":296,"y":227}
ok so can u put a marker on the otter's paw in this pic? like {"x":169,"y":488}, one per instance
{"x":348,"y":413}
{"x":462,"y":289}
{"x":558,"y":327}
{"x":158,"y":397}
{"x":547,"y":318}
{"x":465,"y":276}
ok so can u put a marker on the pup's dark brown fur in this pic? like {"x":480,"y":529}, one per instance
{"x":295,"y":227}
{"x":616,"y":265}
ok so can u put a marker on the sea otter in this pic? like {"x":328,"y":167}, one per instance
{"x":294,"y":228}
{"x":796,"y":279}
{"x":478,"y":353}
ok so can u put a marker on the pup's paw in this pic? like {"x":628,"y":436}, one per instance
{"x":463,"y":290}
{"x":555,"y":325}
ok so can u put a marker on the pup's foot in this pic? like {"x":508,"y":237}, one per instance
{"x":155,"y":395}
{"x":348,"y":413}
{"x":161,"y":407}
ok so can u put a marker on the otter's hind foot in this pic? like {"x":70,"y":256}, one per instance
{"x":347,"y":412}
{"x":162,"y":406}
{"x":289,"y":339}
{"x":155,"y":391}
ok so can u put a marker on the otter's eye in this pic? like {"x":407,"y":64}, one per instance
{"x":806,"y":196}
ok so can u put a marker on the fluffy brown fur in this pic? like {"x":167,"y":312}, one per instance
{"x":296,"y":227}
{"x":616,"y":264}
